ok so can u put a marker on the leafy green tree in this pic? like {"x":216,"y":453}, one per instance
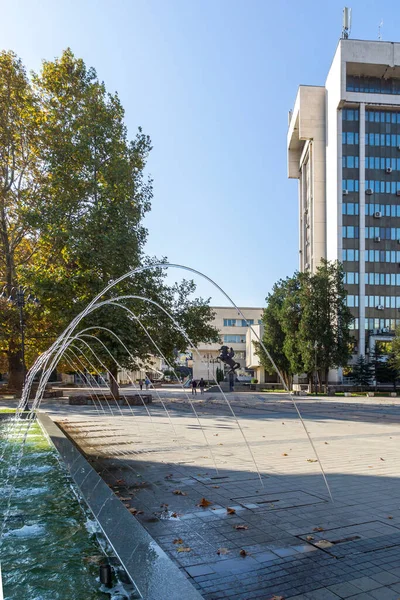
{"x":362,"y":372}
{"x":324,"y":329}
{"x":280,"y":320}
{"x":80,"y":218}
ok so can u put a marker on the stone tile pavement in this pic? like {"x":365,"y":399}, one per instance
{"x":282,"y":537}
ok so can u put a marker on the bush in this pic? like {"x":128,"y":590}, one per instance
{"x":254,"y":380}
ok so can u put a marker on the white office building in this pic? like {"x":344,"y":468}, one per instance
{"x":344,"y":148}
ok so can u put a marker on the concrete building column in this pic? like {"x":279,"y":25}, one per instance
{"x":361,"y":266}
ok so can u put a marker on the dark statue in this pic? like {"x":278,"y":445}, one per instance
{"x":226,"y":356}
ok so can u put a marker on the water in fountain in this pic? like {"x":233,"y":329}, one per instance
{"x":69,"y":347}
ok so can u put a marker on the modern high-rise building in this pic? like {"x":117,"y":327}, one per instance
{"x":344,"y":148}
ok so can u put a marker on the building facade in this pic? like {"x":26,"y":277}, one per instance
{"x":344,"y":148}
{"x":232,"y":328}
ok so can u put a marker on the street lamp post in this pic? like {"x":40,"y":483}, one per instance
{"x":17,"y":298}
{"x":316,"y":368}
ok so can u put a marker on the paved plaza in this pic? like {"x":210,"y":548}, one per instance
{"x":235,"y":536}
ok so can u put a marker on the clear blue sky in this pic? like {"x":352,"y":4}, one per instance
{"x":211,"y":81}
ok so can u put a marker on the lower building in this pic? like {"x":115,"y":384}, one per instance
{"x":233,"y":329}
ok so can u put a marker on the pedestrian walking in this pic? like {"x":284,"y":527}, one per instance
{"x":202,"y":385}
{"x":141,"y":383}
{"x":194,"y":387}
{"x":147,"y":383}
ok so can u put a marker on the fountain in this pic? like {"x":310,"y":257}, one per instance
{"x":151,"y":573}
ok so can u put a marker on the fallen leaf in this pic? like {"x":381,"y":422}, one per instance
{"x":318,"y":529}
{"x":179,"y":493}
{"x":285,"y":454}
{"x":120,"y":481}
{"x":135,"y":511}
{"x":309,"y":538}
{"x":390,"y":517}
{"x":174,"y":515}
{"x":168,"y":476}
{"x":231,"y":511}
{"x":178,"y":541}
{"x":184,"y":549}
{"x":220,"y":444}
{"x":222,"y":551}
{"x":277,"y":598}
{"x":164,"y":505}
{"x":216,"y":487}
{"x":126,"y":505}
{"x":240,"y":527}
{"x":312,"y":460}
{"x":283,"y":423}
{"x":125,"y":498}
{"x":204,"y":503}
{"x":216,"y":434}
{"x":243,"y":553}
{"x":382,"y":459}
{"x":326,"y":443}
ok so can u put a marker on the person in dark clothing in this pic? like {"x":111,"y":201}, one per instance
{"x":141,"y":383}
{"x":202,"y":385}
{"x":194,"y":387}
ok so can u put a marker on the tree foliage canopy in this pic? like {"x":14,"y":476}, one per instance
{"x":73,"y":194}
{"x":307,"y":323}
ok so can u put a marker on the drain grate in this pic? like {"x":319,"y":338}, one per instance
{"x":280,"y":501}
{"x":361,"y":538}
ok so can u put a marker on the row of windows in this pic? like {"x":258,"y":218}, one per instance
{"x":235,"y":339}
{"x":350,"y":254}
{"x":350,"y":277}
{"x":385,"y":233}
{"x":348,"y":137}
{"x":388,"y":256}
{"x":391,"y":324}
{"x":382,"y":278}
{"x":350,"y":231}
{"x":376,"y":162}
{"x":374,"y":301}
{"x":379,"y":187}
{"x":378,"y":139}
{"x":351,"y":185}
{"x":379,"y":116}
{"x":372,"y":162}
{"x":350,"y":114}
{"x":373,"y":278}
{"x":372,"y":85}
{"x":350,"y":208}
{"x":382,"y":301}
{"x":386,"y":210}
{"x":239,"y":322}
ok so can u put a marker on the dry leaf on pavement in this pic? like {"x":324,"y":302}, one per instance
{"x":135,"y":511}
{"x":222,"y":551}
{"x":204,"y":503}
{"x":243,"y":553}
{"x":178,"y":541}
{"x":184,"y":549}
{"x":179,"y":493}
{"x":230,"y":511}
{"x":285,"y":454}
{"x":240,"y":527}
{"x":318,"y":529}
{"x":312,"y":460}
{"x":309,"y":538}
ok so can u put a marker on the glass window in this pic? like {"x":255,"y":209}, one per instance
{"x":234,"y":339}
{"x":249,"y":322}
{"x":229,"y":322}
{"x":350,"y":162}
{"x":350,"y":300}
{"x":350,"y":278}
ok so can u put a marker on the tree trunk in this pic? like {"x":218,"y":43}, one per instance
{"x":326,"y":380}
{"x":114,"y":388}
{"x":15,"y":370}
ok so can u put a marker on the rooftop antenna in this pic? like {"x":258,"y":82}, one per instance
{"x":380,"y":30}
{"x":346,"y":23}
